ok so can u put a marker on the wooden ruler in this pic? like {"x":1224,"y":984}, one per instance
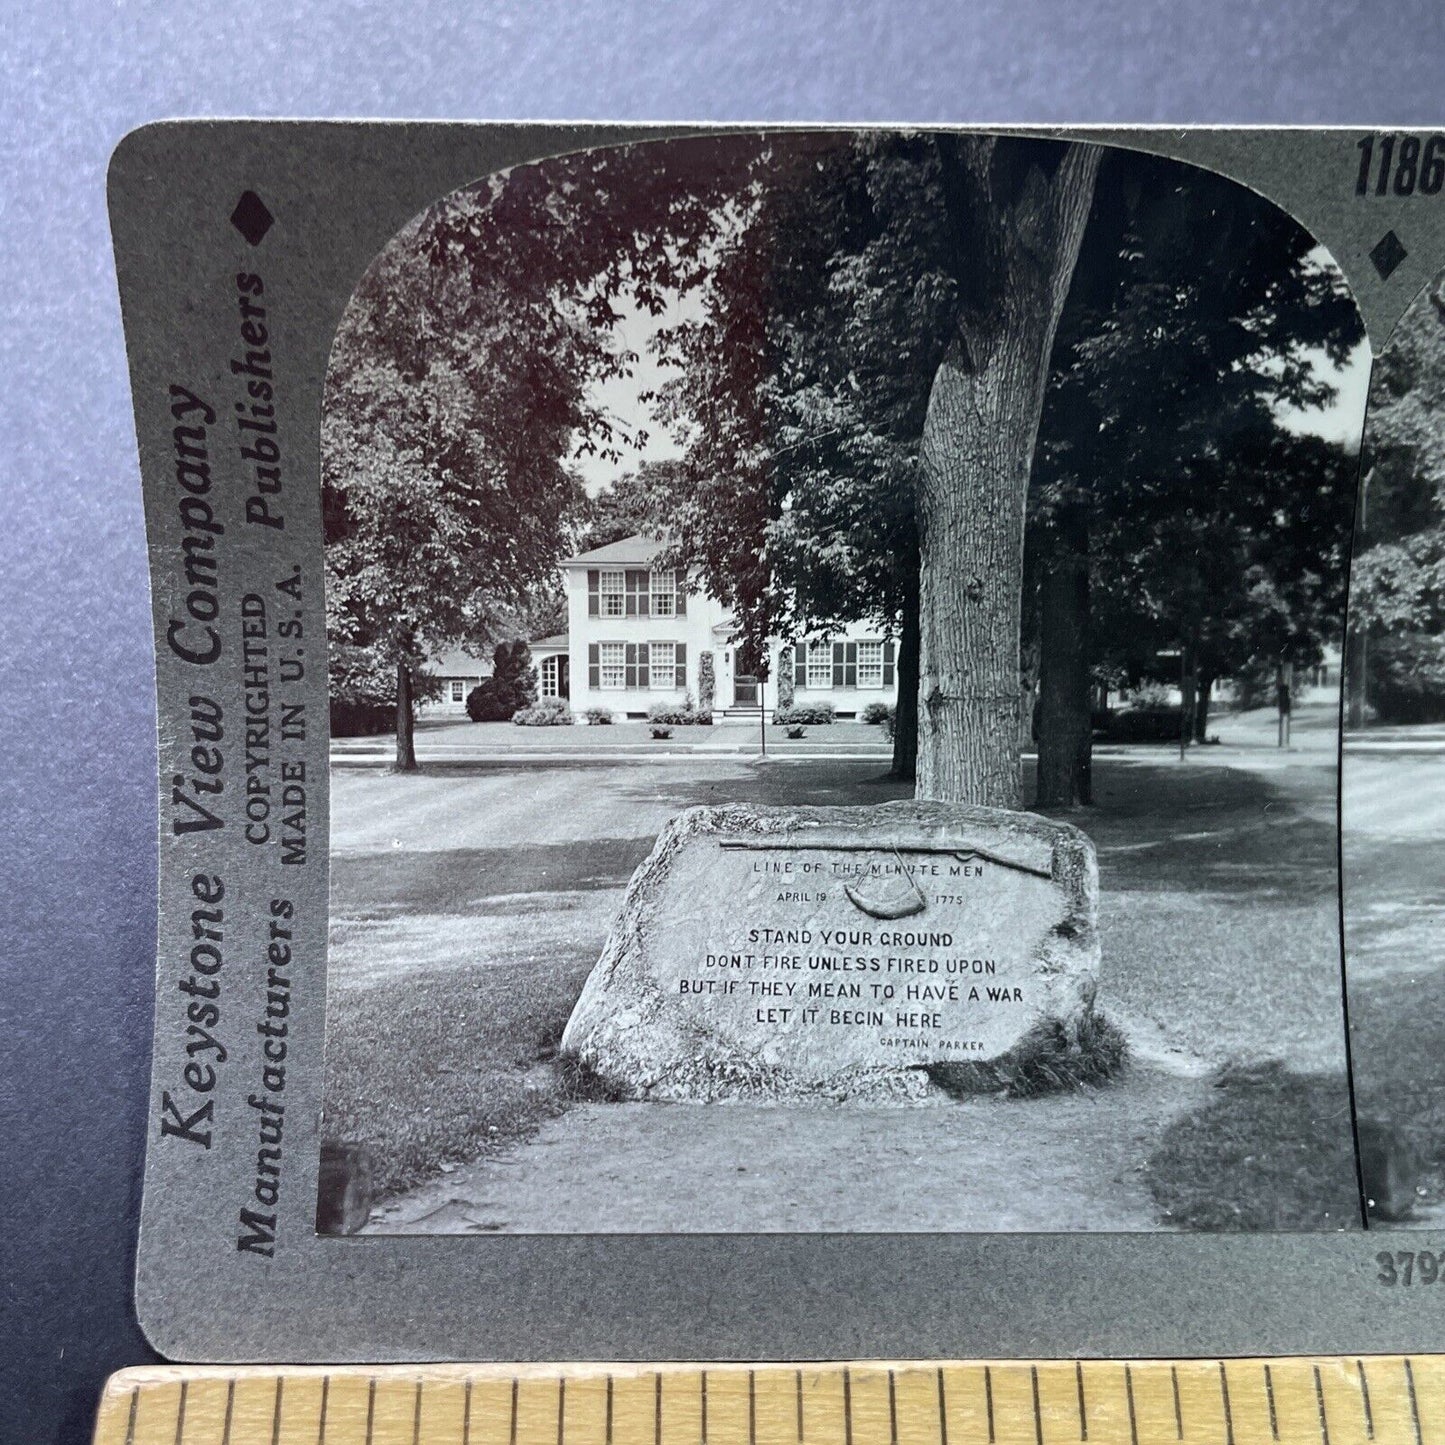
{"x":1392,"y":1400}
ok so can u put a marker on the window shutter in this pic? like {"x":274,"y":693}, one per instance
{"x":887,"y":664}
{"x":630,"y":656}
{"x":594,"y":663}
{"x":644,"y":665}
{"x":680,"y":606}
{"x":594,"y":583}
{"x":800,"y":665}
{"x":850,"y":665}
{"x":681,"y":659}
{"x":631,"y":603}
{"x":837,"y":664}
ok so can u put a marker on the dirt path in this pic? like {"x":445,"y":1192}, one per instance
{"x":1060,"y":1163}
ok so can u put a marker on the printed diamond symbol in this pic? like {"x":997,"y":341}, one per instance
{"x":1389,"y":251}
{"x":253,"y":220}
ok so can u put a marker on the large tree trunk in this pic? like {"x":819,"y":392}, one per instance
{"x":1022,"y":212}
{"x":405,"y":723}
{"x":905,"y":715}
{"x":1065,"y":767}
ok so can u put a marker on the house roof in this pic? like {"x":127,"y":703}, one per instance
{"x":557,"y":640}
{"x":636,"y":551}
{"x":454,"y":662}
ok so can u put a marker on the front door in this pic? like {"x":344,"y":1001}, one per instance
{"x":745,"y":692}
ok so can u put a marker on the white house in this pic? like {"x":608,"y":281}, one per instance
{"x":636,"y":635}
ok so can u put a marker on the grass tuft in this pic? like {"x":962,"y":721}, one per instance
{"x":1052,"y":1058}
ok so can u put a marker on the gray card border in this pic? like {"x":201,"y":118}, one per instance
{"x":338,"y":192}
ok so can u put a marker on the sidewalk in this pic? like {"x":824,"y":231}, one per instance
{"x":460,"y":742}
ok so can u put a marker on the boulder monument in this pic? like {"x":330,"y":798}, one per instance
{"x":835,"y":953}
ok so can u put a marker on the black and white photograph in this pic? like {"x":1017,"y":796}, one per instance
{"x":836,"y":645}
{"x":1392,"y":824}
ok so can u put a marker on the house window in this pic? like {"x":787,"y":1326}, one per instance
{"x":549,"y":677}
{"x":662,"y":661}
{"x":613,"y":658}
{"x":459,"y":690}
{"x":870,"y":664}
{"x":820,"y":664}
{"x":664,"y":594}
{"x":613,"y":587}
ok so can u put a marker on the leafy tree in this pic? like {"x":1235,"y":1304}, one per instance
{"x":1397,"y":603}
{"x":1196,"y":312}
{"x":460,"y":387}
{"x":859,"y":312}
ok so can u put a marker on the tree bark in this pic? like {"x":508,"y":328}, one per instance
{"x":1201,"y":706}
{"x":405,"y":723}
{"x":978,"y":442}
{"x":905,"y":715}
{"x":1065,"y":766}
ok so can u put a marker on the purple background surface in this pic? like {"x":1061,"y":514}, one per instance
{"x":76,"y":706}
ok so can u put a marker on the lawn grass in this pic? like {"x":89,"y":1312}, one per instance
{"x":1273,"y":1150}
{"x":482,"y":1081}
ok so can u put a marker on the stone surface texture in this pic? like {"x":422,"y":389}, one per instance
{"x":834,"y":953}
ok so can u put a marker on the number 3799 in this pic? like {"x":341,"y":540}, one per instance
{"x":1409,"y":1266}
{"x":1401,"y":165}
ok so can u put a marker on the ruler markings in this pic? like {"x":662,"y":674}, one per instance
{"x":1414,"y":1404}
{"x":1300,"y":1402}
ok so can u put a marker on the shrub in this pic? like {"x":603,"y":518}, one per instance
{"x":810,"y":714}
{"x":795,"y":732}
{"x":511,"y":687}
{"x":879,"y":712}
{"x":660,"y":732}
{"x":679,"y":714}
{"x":546,"y":712}
{"x":598,"y":716}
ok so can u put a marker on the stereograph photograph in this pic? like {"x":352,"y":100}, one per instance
{"x":1394,"y":892}
{"x":836,"y":653}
